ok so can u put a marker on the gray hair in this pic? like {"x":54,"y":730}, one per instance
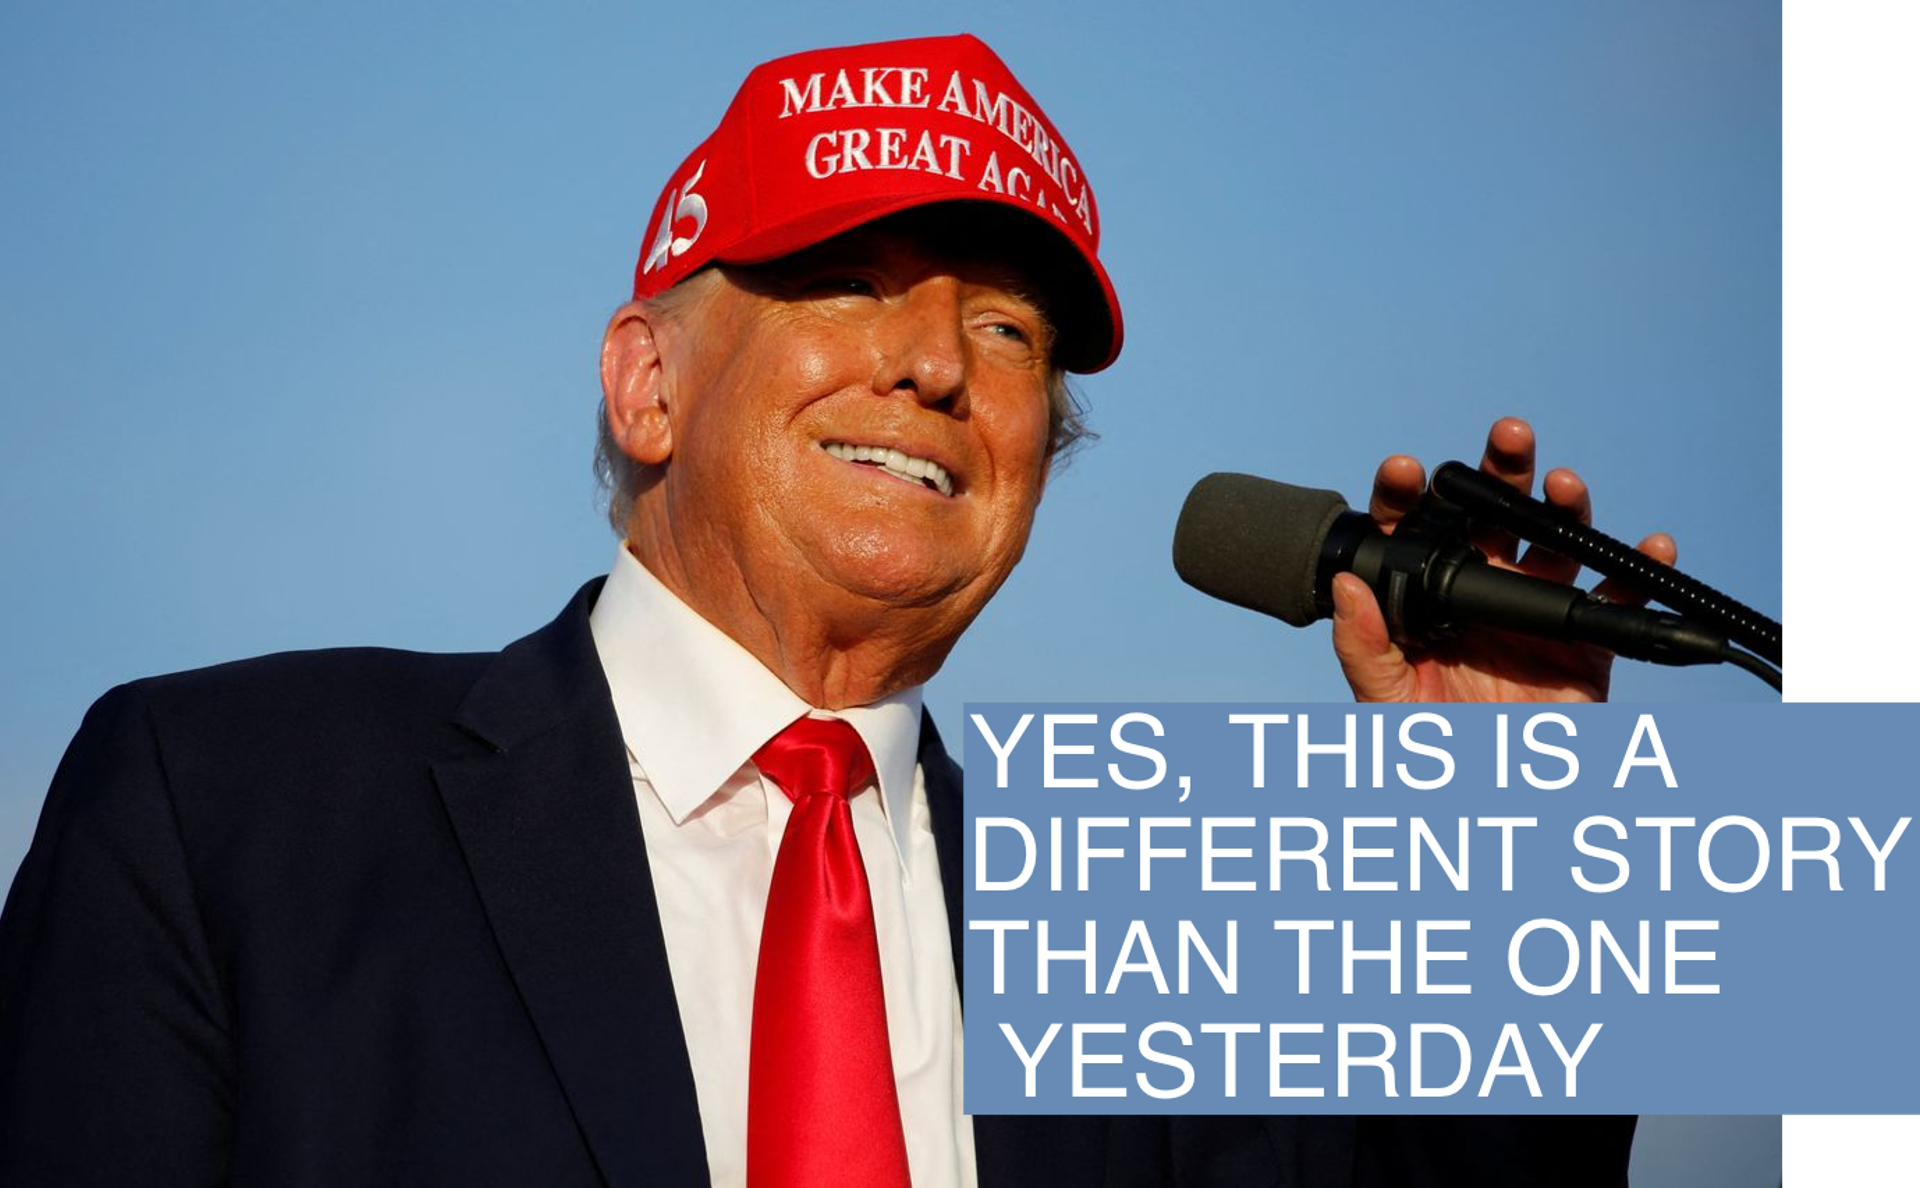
{"x":621,"y":479}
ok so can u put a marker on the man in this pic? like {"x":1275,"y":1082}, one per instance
{"x":667,"y":892}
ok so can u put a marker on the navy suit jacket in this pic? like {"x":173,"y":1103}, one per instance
{"x":375,"y":917}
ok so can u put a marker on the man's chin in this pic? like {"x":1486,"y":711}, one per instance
{"x":904,"y":591}
{"x":903,"y":574}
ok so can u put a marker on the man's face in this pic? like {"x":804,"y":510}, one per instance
{"x":867,"y":418}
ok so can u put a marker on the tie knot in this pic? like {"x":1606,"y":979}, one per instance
{"x":814,"y":756}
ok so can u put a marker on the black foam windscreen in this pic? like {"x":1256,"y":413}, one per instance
{"x":1255,"y":543}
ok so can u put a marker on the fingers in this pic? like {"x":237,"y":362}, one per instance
{"x":1396,"y":488}
{"x":1375,"y":667}
{"x":1661,"y":548}
{"x":1567,"y":493}
{"x":1509,"y":453}
{"x":1509,"y":458}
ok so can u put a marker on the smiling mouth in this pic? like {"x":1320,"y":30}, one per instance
{"x":924,"y":472}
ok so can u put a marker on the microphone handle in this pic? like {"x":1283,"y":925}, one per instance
{"x":1426,"y":593}
{"x":1478,"y":593}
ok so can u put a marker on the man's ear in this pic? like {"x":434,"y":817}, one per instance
{"x":633,"y":381}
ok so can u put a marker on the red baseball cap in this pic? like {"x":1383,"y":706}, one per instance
{"x":821,"y":142}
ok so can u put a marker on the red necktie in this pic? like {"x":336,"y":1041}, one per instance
{"x":822,"y":1110}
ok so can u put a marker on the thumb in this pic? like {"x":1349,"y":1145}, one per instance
{"x":1375,"y":667}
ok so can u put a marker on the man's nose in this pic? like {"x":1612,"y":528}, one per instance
{"x":925,"y":347}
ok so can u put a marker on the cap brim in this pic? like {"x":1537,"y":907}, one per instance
{"x":1089,"y":322}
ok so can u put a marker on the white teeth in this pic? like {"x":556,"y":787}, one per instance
{"x":900,"y":465}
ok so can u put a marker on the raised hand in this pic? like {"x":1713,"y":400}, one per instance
{"x":1483,"y":664}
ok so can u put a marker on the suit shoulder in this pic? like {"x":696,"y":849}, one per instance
{"x":326,"y":672}
{"x":324,"y":693}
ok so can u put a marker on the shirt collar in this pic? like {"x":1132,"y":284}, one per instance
{"x":694,"y":705}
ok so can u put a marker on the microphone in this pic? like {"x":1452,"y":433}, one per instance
{"x":1275,"y":548}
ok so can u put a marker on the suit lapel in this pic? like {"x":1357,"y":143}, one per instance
{"x":1008,"y":1151}
{"x":943,"y":781}
{"x":545,"y":814}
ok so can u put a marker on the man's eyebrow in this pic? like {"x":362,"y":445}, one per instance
{"x":1016,"y":284}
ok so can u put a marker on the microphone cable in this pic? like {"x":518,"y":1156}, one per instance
{"x":1755,"y":665}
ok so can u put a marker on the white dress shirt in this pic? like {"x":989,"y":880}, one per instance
{"x":693,"y":707}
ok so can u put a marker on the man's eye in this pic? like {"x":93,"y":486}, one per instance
{"x":1009,"y":330}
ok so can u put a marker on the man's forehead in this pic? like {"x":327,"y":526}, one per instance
{"x":963,"y":244}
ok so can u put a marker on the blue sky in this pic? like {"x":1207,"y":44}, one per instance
{"x":301,"y":309}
